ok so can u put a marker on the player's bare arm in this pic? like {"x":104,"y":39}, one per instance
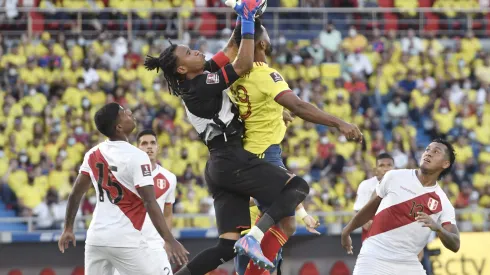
{"x":223,"y":57}
{"x":81,"y":186}
{"x":168,"y":215}
{"x":245,"y":57}
{"x":447,"y":233}
{"x":311,"y":113}
{"x":175,"y":250}
{"x":231,"y":48}
{"x":361,"y":218}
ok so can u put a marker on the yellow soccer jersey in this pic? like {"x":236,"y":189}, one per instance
{"x":255,"y":95}
{"x":254,"y":215}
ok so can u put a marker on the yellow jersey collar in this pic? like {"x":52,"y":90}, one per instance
{"x":260,"y":64}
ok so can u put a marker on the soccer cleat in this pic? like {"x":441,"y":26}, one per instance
{"x":249,"y":246}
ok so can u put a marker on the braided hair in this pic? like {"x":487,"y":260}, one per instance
{"x":167,"y":62}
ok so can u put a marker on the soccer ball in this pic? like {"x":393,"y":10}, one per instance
{"x":261,"y":9}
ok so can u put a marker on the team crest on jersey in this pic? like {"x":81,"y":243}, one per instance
{"x":432,"y":204}
{"x":145,"y":170}
{"x":276,"y":77}
{"x":212,"y":78}
{"x":161,"y":183}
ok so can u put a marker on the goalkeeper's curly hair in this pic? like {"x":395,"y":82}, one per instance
{"x":167,"y":62}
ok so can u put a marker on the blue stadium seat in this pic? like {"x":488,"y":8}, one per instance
{"x":13,"y":227}
{"x":422,"y":139}
{"x":7,"y":213}
{"x":2,"y":205}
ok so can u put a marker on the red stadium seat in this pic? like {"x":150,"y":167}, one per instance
{"x":339,"y":268}
{"x":209,"y":24}
{"x":15,"y":272}
{"x":432,"y":22}
{"x":78,"y":271}
{"x":309,"y":268}
{"x":47,"y":271}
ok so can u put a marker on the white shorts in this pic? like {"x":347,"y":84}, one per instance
{"x":102,"y":260}
{"x":372,"y":266}
{"x":162,"y":259}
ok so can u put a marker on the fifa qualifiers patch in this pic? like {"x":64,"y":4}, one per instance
{"x":145,"y":170}
{"x":276,"y":77}
{"x":212,"y":78}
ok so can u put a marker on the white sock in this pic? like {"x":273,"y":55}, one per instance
{"x":256,"y":233}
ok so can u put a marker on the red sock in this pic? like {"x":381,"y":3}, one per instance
{"x":272,"y":242}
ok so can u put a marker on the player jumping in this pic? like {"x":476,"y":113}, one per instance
{"x":232,"y":174}
{"x":165,"y":183}
{"x":366,"y":189}
{"x":409,"y":204}
{"x":261,"y":96}
{"x":122,"y":177}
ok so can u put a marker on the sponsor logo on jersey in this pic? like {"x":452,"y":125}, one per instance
{"x":145,"y":170}
{"x":276,"y":77}
{"x":212,"y":78}
{"x":432,"y":204}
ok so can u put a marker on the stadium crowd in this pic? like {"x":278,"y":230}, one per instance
{"x":401,"y":91}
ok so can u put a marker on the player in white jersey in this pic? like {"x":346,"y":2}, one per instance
{"x":122,"y":177}
{"x":365,"y":191}
{"x":409,"y":204}
{"x":165,"y":183}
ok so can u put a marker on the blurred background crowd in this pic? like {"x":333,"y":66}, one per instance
{"x":402,"y":89}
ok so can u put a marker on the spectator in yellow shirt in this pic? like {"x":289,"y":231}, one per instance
{"x":464,"y":152}
{"x":6,"y":193}
{"x":31,"y":194}
{"x":205,"y":208}
{"x":355,"y":40}
{"x":483,"y":72}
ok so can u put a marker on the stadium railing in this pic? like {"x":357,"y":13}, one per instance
{"x":341,"y":218}
{"x":302,"y":23}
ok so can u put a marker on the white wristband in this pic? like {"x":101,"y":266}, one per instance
{"x":301,"y":213}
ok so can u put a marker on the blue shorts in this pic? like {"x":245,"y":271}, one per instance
{"x":271,"y":155}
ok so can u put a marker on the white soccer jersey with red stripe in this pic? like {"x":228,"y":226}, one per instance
{"x":364,"y":192}
{"x":394,"y":234}
{"x":117,"y":168}
{"x":165,"y":183}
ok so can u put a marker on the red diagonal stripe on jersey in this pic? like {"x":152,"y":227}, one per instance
{"x":404,"y":213}
{"x":130,"y":204}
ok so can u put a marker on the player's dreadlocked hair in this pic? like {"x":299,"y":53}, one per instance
{"x":450,"y":153}
{"x":167,"y":62}
{"x":237,"y":34}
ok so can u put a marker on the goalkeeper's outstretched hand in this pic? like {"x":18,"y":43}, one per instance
{"x":245,"y":8}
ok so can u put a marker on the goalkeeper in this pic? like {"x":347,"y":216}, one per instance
{"x":261,"y":96}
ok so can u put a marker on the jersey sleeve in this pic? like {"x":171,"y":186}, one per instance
{"x":215,"y":83}
{"x":448,"y":215}
{"x":141,"y":170}
{"x":276,"y":86}
{"x":383,"y":188}
{"x":171,"y":195}
{"x":362,"y":197}
{"x":85,"y":168}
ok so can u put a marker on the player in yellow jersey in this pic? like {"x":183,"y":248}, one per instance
{"x":261,"y":96}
